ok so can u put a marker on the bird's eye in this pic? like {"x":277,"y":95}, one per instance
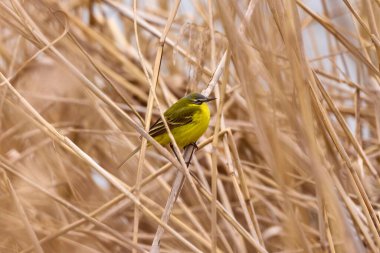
{"x":198,"y":102}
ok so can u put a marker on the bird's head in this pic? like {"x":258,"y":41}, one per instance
{"x":198,"y":99}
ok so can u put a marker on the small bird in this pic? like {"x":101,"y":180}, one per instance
{"x":188,"y":119}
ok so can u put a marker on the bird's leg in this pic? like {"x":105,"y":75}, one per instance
{"x":175,"y":153}
{"x":192,"y":152}
{"x":195,"y":148}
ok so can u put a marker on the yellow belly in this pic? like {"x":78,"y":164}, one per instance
{"x":184,"y":135}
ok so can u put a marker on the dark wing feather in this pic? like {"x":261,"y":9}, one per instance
{"x":174,"y":118}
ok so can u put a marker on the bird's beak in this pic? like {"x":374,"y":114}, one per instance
{"x":209,"y":99}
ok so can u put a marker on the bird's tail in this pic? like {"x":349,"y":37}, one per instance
{"x":129,"y":156}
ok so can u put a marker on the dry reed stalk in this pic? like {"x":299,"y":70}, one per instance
{"x":180,"y":177}
{"x":290,"y":162}
{"x":152,"y":97}
{"x":24,"y":217}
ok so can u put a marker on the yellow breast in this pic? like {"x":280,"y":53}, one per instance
{"x":190,"y":133}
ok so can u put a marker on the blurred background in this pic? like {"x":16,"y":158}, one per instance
{"x":296,"y":161}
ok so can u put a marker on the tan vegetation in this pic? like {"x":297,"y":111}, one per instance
{"x":290,"y":162}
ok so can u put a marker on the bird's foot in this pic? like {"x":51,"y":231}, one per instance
{"x":194,"y":144}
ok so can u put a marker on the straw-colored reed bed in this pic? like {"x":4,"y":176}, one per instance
{"x":290,"y":162}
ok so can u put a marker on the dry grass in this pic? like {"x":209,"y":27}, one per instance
{"x":290,"y":162}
